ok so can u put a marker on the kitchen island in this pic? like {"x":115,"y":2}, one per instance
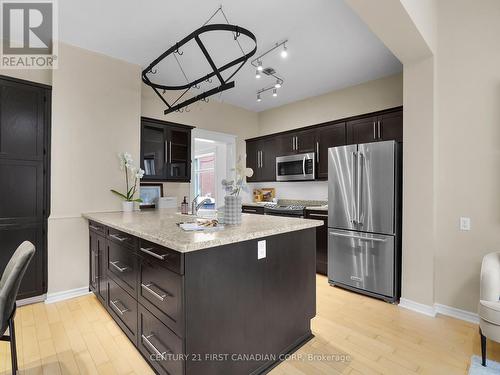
{"x":232,"y":301}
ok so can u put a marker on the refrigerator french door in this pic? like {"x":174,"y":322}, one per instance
{"x":362,"y":211}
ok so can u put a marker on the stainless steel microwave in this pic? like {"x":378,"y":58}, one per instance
{"x":298,"y":167}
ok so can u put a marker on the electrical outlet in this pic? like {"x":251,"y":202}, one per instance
{"x":261,"y":249}
{"x":465,"y":223}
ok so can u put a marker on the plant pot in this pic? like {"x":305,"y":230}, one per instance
{"x":232,"y":209}
{"x":128,"y":206}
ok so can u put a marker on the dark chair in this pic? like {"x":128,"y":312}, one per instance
{"x":9,"y":286}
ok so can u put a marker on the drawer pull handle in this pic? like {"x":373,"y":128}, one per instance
{"x":116,"y":237}
{"x":117,"y":308}
{"x":94,"y":227}
{"x":149,"y":250}
{"x":154,"y":348}
{"x":318,"y":215}
{"x":249,"y":210}
{"x":148,"y":288}
{"x":115,"y":264}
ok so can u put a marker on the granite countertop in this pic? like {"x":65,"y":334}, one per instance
{"x":160,"y":226}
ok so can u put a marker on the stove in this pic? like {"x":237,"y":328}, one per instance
{"x":277,"y":210}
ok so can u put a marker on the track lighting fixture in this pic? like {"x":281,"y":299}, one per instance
{"x":284,"y":52}
{"x":275,"y":92}
{"x":259,"y":66}
{"x":278,"y":84}
{"x":258,"y":98}
{"x":257,"y":74}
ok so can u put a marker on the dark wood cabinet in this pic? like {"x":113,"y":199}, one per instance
{"x":372,"y":127}
{"x":97,"y":261}
{"x":321,"y":240}
{"x":384,"y":127}
{"x":296,"y":142}
{"x":25,"y":177}
{"x":331,"y":135}
{"x":261,"y":157}
{"x":252,"y":210}
{"x":165,"y":150}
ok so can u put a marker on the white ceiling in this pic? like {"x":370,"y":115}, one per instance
{"x":329,"y":46}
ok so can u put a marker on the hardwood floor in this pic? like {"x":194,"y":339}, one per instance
{"x":353,"y":335}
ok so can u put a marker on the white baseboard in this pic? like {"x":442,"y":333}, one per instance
{"x":438,"y":308}
{"x":418,"y":307}
{"x":457,"y":313}
{"x":67,"y":294}
{"x":31,"y":300}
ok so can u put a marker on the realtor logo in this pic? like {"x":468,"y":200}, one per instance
{"x":28,"y":34}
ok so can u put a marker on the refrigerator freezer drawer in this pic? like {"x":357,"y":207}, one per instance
{"x":361,"y":260}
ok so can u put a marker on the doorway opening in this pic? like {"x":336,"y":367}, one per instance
{"x":213,"y":156}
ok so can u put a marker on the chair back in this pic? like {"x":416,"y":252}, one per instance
{"x":11,"y":280}
{"x":490,"y":277}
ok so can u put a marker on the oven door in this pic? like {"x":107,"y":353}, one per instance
{"x":295,"y":167}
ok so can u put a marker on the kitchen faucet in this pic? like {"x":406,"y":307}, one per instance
{"x":195,"y":207}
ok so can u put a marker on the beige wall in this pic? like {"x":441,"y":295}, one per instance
{"x":468,"y":87}
{"x":95,"y":115}
{"x":33,"y":75}
{"x":419,"y":197}
{"x":367,"y":97}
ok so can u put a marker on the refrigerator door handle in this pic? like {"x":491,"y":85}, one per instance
{"x":354,"y":177}
{"x":358,"y":237}
{"x":359,"y":185}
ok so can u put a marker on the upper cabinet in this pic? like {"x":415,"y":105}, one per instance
{"x":261,"y":157}
{"x":331,"y":135}
{"x":375,"y":127}
{"x":384,"y":127}
{"x":165,"y":151}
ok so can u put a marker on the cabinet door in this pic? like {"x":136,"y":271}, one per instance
{"x":321,"y":240}
{"x":153,"y":151}
{"x":93,"y":262}
{"x":102,"y":286}
{"x":286,"y":144}
{"x":362,"y":131}
{"x":253,"y":159}
{"x":305,"y":141}
{"x":179,"y":154}
{"x":328,"y":136}
{"x":268,"y":160}
{"x":390,"y":127}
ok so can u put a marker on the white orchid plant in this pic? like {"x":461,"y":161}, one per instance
{"x":234,"y":187}
{"x":132,"y":173}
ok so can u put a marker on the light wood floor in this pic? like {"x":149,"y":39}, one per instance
{"x":79,"y":337}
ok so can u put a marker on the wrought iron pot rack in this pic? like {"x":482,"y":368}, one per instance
{"x":225,"y":84}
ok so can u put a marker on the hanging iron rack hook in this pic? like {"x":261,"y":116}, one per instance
{"x":177,"y":50}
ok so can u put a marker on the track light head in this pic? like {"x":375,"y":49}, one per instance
{"x":284,"y":52}
{"x":259,"y":98}
{"x":259,"y":66}
{"x":278,"y":84}
{"x":275,"y":92}
{"x":257,"y":74}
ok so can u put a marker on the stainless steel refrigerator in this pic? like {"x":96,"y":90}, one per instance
{"x":364,"y":225}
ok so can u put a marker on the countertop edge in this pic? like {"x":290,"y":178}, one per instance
{"x":309,"y":224}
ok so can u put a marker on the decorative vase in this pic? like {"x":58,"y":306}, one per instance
{"x":232,"y":209}
{"x":127,"y":206}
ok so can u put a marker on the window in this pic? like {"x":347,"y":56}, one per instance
{"x":204,"y":178}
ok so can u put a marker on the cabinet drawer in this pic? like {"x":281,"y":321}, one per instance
{"x":96,"y":227}
{"x":252,"y":210}
{"x":160,"y":290}
{"x":163,"y":256}
{"x":122,"y":266}
{"x":122,"y":238}
{"x":123,"y":308}
{"x":159,"y":345}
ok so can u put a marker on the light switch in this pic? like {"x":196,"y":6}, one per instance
{"x":465,"y":223}
{"x":261,"y":249}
